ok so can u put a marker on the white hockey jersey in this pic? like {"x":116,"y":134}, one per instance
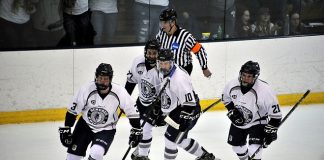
{"x":138,"y":74}
{"x":137,"y":70}
{"x":257,"y":104}
{"x":101,"y":114}
{"x":150,"y":86}
{"x":179,"y":91}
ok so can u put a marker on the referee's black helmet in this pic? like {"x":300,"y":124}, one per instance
{"x":168,"y":14}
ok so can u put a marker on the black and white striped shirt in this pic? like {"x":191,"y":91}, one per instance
{"x":182,"y":43}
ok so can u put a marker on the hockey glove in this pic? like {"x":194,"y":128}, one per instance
{"x":135,"y":137}
{"x":156,"y":117}
{"x":236,"y":117}
{"x":270,"y":135}
{"x":185,"y":120}
{"x":270,"y":131}
{"x":65,"y":136}
{"x":160,"y":121}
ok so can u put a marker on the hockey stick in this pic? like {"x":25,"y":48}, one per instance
{"x":284,"y":119}
{"x":176,"y":126}
{"x":119,"y":115}
{"x":148,"y":111}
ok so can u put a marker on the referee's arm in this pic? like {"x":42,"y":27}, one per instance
{"x":199,"y":51}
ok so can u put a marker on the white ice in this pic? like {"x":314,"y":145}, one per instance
{"x":300,"y":137}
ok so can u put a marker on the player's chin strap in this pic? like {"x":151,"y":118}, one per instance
{"x":284,"y":119}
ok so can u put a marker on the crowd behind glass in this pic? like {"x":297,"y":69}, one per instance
{"x":71,"y":23}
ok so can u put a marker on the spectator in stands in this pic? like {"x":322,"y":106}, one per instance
{"x":76,"y":22}
{"x":242,"y":25}
{"x":146,"y":22}
{"x":192,"y":16}
{"x":104,"y":20}
{"x":263,"y":26}
{"x":47,"y":23}
{"x":15,"y":23}
{"x":296,"y":27}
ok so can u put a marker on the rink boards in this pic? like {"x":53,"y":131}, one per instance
{"x":58,"y":114}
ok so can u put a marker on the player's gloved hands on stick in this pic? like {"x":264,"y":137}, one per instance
{"x":160,"y":121}
{"x":65,"y":136}
{"x":236,"y":116}
{"x":135,"y":137}
{"x":185,"y":120}
{"x":270,"y":135}
{"x":156,"y":117}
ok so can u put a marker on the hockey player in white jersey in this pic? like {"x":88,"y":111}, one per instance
{"x":254,"y":111}
{"x":147,"y":90}
{"x":181,"y":104}
{"x":141,"y":64}
{"x":98,"y":102}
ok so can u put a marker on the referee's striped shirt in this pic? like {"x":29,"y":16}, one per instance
{"x":182,"y":43}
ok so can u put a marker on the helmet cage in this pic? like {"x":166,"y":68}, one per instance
{"x":165,"y":71}
{"x":165,"y":55}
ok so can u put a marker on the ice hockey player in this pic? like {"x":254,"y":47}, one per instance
{"x":98,"y":102}
{"x":253,"y":110}
{"x":140,"y":66}
{"x":179,"y":102}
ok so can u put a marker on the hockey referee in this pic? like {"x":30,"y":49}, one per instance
{"x":181,"y":42}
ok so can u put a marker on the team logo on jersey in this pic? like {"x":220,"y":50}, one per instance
{"x":140,"y":68}
{"x":165,"y":101}
{"x":93,"y":102}
{"x":175,"y":46}
{"x":97,"y":116}
{"x":147,"y":89}
{"x":246,"y":113}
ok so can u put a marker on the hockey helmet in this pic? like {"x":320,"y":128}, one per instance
{"x":153,"y":44}
{"x":165,"y":55}
{"x":249,"y":67}
{"x":103,"y":69}
{"x":168,"y":15}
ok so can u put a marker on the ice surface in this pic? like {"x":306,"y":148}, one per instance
{"x":300,"y":137}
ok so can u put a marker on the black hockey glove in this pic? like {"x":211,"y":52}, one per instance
{"x":155,"y":117}
{"x":65,"y":136}
{"x":236,"y":116}
{"x":270,"y":135}
{"x":270,"y":131}
{"x":160,"y":121}
{"x":135,"y":137}
{"x":185,"y":120}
